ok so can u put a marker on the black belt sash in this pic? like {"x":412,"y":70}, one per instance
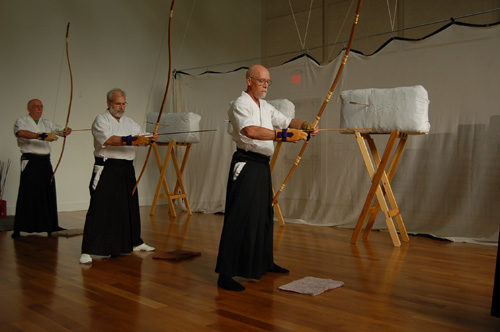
{"x":101,"y":162}
{"x":32,"y":156}
{"x":253,"y":156}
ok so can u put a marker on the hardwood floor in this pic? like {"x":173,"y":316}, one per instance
{"x":429,"y":285}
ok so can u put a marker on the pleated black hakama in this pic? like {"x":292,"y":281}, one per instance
{"x":113,"y":222}
{"x":36,"y":206}
{"x":246,"y":244}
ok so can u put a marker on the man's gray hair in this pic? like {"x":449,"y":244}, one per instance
{"x":116,"y":91}
{"x":30,"y":101}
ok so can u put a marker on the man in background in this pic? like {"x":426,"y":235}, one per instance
{"x":36,"y":207}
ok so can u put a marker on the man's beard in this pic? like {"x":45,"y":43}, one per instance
{"x":115,"y":113}
{"x":262,"y":94}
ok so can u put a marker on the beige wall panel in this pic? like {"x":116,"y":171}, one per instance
{"x":280,"y":36}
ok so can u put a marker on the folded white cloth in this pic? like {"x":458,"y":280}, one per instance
{"x":311,"y":285}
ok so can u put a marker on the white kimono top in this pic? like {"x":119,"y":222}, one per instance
{"x":35,"y":146}
{"x":105,"y":126}
{"x":245,"y":112}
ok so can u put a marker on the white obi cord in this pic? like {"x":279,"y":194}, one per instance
{"x":23,"y":164}
{"x":237,"y":169}
{"x":97,"y":175}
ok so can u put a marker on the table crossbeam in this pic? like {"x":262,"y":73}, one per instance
{"x":179,"y":189}
{"x":381,"y":186}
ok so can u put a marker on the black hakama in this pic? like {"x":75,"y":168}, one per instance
{"x":246,"y":244}
{"x":113,"y":223}
{"x":36,"y":207}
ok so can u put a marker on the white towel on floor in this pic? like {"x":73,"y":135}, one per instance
{"x":311,"y":285}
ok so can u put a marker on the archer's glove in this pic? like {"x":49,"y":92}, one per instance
{"x":135,"y":140}
{"x":290,"y":135}
{"x":47,"y":137}
{"x":307,"y":126}
{"x":142,"y":140}
{"x":63,"y":133}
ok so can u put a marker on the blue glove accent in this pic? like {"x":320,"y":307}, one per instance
{"x":284,"y":134}
{"x":128,"y":139}
{"x":43,"y":136}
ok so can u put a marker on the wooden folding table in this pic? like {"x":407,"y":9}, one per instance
{"x":381,"y":185}
{"x":179,"y":191}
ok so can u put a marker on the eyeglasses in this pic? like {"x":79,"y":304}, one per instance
{"x":261,"y":81}
{"x":120,"y":104}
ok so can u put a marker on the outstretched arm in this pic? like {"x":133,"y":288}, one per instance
{"x":260,"y":133}
{"x":49,"y":137}
{"x":27,"y":134}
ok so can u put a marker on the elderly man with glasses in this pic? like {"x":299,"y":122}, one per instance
{"x":113,"y":223}
{"x":246,"y":244}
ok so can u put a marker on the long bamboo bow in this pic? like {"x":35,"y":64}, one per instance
{"x":157,"y":124}
{"x":70,"y":102}
{"x":325,"y":102}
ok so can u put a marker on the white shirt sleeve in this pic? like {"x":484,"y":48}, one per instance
{"x":101,"y":129}
{"x":243,"y":116}
{"x":18,"y":126}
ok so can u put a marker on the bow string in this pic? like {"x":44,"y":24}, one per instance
{"x":325,"y":102}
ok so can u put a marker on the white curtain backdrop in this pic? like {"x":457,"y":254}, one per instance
{"x":447,"y":183}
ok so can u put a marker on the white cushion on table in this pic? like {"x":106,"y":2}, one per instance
{"x":403,"y":108}
{"x":285,"y":106}
{"x":175,"y":122}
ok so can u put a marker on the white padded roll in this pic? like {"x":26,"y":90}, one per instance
{"x":385,"y":110}
{"x":285,"y":106}
{"x":175,"y":122}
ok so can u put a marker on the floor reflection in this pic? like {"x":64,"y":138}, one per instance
{"x":110,"y":294}
{"x":377,"y":272}
{"x":36,"y":271}
{"x":172,"y":246}
{"x":277,"y":238}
